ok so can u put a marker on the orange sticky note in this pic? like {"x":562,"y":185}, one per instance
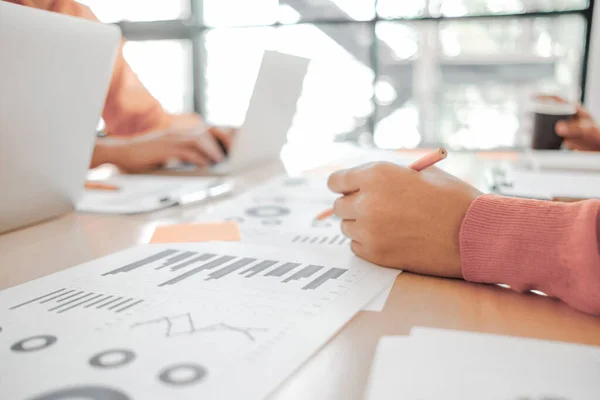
{"x":194,"y":233}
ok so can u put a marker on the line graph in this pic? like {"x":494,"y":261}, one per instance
{"x":180,"y":325}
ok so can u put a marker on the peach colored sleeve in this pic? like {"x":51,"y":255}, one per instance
{"x":531,"y":244}
{"x":129,"y":108}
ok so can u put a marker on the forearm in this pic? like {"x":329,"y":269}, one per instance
{"x":106,"y":151}
{"x":528,"y":244}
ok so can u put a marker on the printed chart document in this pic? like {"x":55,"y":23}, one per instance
{"x":190,"y":321}
{"x":433,"y":364}
{"x":283,"y":213}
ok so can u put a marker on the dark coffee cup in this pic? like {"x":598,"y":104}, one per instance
{"x":545,"y":116}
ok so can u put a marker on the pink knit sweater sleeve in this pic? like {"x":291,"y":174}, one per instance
{"x":530,"y":244}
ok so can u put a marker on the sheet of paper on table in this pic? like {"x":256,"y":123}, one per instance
{"x":282,"y":212}
{"x":378,"y":303}
{"x":230,"y":231}
{"x":561,"y":160}
{"x":433,"y":364}
{"x":185,"y":321}
{"x":544,"y":185}
{"x":146,"y":193}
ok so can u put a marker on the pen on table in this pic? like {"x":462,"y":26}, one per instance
{"x":428,"y":160}
{"x":91,"y":185}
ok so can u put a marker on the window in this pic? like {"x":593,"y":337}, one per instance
{"x":413,"y":73}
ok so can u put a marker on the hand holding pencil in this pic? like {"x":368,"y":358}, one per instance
{"x":428,"y":160}
{"x":398,"y":218}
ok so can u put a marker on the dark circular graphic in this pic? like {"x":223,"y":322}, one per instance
{"x":84,"y":392}
{"x":268,"y":211}
{"x":192,"y":373}
{"x":33,"y":343}
{"x":112,"y":358}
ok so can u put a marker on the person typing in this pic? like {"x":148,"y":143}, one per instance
{"x":141,"y":134}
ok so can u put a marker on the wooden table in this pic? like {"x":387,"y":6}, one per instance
{"x":340,"y":370}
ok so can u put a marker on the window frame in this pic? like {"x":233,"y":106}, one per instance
{"x":192,"y":29}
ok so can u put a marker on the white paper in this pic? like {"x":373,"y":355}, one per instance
{"x":563,"y":160}
{"x":212,"y":329}
{"x":141,"y":193}
{"x":378,"y":303}
{"x":282,"y":213}
{"x":438,"y":364}
{"x":545,"y":184}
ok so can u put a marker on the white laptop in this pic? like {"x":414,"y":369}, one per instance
{"x":55,"y":71}
{"x":269,"y":116}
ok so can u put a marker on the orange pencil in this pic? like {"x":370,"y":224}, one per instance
{"x":90,"y":185}
{"x":428,"y":160}
{"x":324,"y":215}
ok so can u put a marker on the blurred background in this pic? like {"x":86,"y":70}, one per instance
{"x":395,"y":73}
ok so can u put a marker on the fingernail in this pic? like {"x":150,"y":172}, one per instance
{"x":561,"y":128}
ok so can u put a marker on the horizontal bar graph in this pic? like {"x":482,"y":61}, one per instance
{"x":138,"y":264}
{"x":174,"y":267}
{"x":176,"y":258}
{"x":187,"y":265}
{"x":207,"y":266}
{"x":231,"y":268}
{"x":258,"y":268}
{"x":194,"y":260}
{"x":283,"y":269}
{"x":64,"y":300}
{"x":306,"y":272}
{"x":336,"y":240}
{"x":333,"y":273}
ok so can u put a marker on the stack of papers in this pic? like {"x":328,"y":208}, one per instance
{"x":440,"y":364}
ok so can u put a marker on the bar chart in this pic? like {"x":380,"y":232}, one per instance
{"x":64,"y":300}
{"x":151,"y":314}
{"x":214,"y":267}
{"x":333,"y":240}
